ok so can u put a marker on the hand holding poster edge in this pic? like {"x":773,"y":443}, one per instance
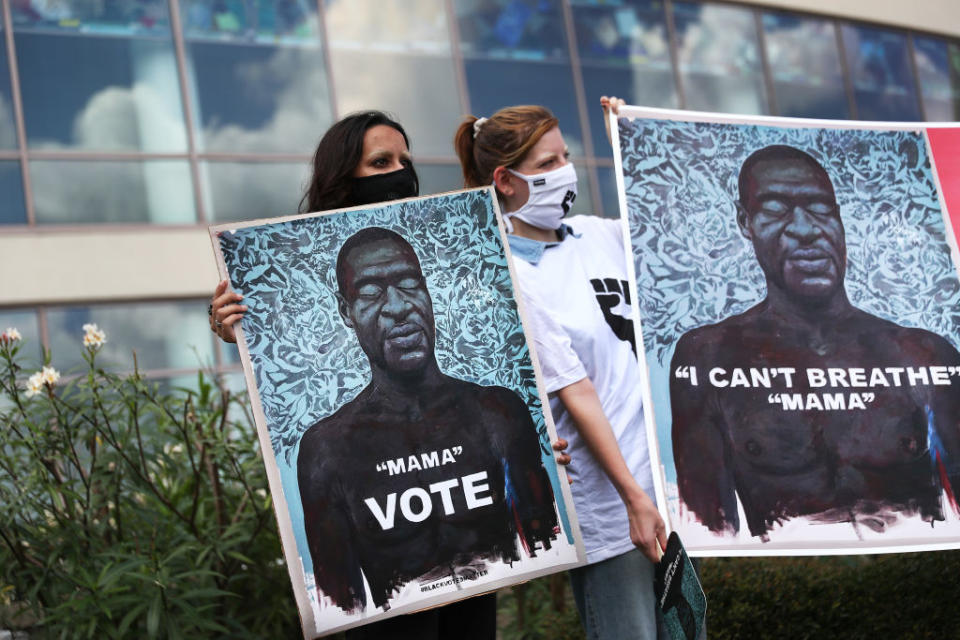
{"x":295,"y":566}
{"x":774,"y":547}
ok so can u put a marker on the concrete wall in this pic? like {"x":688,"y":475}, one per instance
{"x":69,"y":266}
{"x":938,"y":16}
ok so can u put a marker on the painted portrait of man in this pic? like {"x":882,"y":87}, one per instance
{"x":798,"y":303}
{"x":398,"y":408}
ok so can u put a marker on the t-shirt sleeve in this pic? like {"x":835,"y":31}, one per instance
{"x":559,"y":363}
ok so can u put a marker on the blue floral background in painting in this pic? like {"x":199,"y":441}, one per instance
{"x":307,"y":363}
{"x":695,"y":268}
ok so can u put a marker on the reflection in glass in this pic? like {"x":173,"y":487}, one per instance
{"x":583,"y":205}
{"x":149,"y":17}
{"x":12,"y":210}
{"x":388,"y":25}
{"x":719,"y":58}
{"x":234,"y":381}
{"x":526,"y":29}
{"x":805,"y":66}
{"x":438,"y":178}
{"x":880,"y":68}
{"x":246,"y":190}
{"x":25,"y":321}
{"x":259,"y":98}
{"x":494,"y":84}
{"x":419,"y":90}
{"x":100,"y":92}
{"x":258,"y":20}
{"x":229,"y":353}
{"x":625,"y":51}
{"x":622,"y":33}
{"x":75,"y":192}
{"x":8,"y":130}
{"x":170,"y":335}
{"x":938,"y":68}
{"x":607,"y":178}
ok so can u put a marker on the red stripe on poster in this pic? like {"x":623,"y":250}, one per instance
{"x":945,"y":144}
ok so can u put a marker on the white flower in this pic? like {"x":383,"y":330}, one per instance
{"x":172,"y":449}
{"x":10,"y":335}
{"x":93,"y":336}
{"x":50,"y":376}
{"x":34,"y":384}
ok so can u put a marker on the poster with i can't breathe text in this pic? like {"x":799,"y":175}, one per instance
{"x":799,"y":306}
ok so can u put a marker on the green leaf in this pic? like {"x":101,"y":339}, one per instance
{"x":153,"y":615}
{"x":131,"y":616}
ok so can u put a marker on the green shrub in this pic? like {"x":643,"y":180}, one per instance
{"x":901,"y":596}
{"x":542,"y":609}
{"x":128,"y":511}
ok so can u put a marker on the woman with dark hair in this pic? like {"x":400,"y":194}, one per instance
{"x":568,"y":271}
{"x":362,"y":159}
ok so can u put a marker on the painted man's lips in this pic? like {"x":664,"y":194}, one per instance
{"x":405,"y":335}
{"x":810,"y":260}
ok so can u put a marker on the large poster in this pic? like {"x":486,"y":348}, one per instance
{"x":799,"y":306}
{"x":397,"y":404}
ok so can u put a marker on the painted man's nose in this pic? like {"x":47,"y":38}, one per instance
{"x":395,"y":304}
{"x":802,"y":225}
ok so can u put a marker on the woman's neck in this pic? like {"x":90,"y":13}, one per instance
{"x":525,"y":230}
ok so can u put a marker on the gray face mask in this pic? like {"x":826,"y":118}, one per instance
{"x":551,"y":196}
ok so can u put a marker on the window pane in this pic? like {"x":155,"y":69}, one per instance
{"x":259,"y":98}
{"x":719,"y":58}
{"x":584,"y":202}
{"x":144,"y":17}
{"x":257,"y":20}
{"x":805,"y":65}
{"x":882,"y":80}
{"x":170,"y":335}
{"x":525,"y":29}
{"x":247,"y":191}
{"x":607,"y":178}
{"x":388,"y":25}
{"x":99,"y":76}
{"x":229,"y":354}
{"x":75,"y":192}
{"x":420,"y":91}
{"x":12,"y":209}
{"x":258,"y":76}
{"x":624,"y":51}
{"x":495,"y":84}
{"x":395,"y":55}
{"x":437,"y":178}
{"x":24,"y":321}
{"x":938,"y":65}
{"x":8,"y":130}
{"x":234,"y":381}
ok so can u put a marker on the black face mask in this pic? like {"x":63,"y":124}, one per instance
{"x":382,"y":187}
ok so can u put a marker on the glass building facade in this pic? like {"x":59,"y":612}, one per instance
{"x":148,"y":113}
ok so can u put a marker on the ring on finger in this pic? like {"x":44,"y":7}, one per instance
{"x":218,"y":324}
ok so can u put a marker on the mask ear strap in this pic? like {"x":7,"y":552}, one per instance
{"x":507,"y":223}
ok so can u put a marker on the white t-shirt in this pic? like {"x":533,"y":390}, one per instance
{"x":578,"y":304}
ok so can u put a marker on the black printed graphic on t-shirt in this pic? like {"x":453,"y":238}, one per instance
{"x":610,"y":293}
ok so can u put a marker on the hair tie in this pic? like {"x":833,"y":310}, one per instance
{"x":476,"y":126}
